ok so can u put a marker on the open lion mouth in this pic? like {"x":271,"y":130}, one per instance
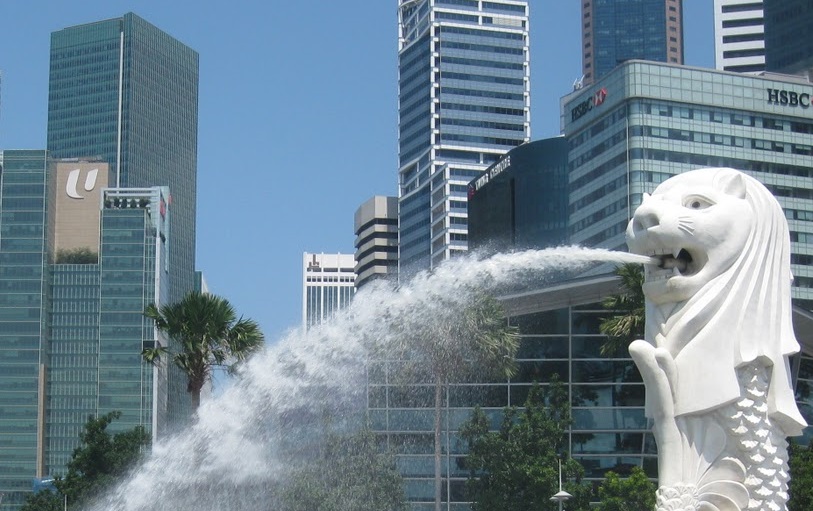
{"x":679,"y":262}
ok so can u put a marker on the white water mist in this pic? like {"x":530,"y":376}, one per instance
{"x":245,"y":440}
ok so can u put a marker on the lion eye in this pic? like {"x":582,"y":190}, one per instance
{"x":696,"y":202}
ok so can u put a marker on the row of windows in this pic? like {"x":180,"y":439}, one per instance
{"x":487,"y":48}
{"x":475,"y":93}
{"x":488,"y":64}
{"x":482,"y":109}
{"x":450,"y":75}
{"x":515,"y":36}
{"x":482,"y":124}
{"x":452,"y":137}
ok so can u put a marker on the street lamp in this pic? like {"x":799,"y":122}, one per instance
{"x":562,"y":495}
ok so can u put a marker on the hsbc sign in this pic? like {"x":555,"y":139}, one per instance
{"x":588,"y":104}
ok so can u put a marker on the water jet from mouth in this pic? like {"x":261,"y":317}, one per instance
{"x":244,"y":442}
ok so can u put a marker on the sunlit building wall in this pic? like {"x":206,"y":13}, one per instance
{"x":463,"y":101}
{"x":647,"y":121}
{"x":79,"y":263}
{"x":614,"y":31}
{"x":328,"y":285}
{"x":739,"y":36}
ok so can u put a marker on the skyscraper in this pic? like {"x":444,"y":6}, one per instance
{"x":376,"y":228}
{"x":788,"y":48}
{"x":463,"y":95}
{"x":127,"y":92}
{"x":617,"y":30}
{"x":328,"y":285}
{"x":739,"y":36}
{"x":79,"y":262}
{"x":650,"y":121}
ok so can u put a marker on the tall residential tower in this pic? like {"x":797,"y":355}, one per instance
{"x":463,"y":98}
{"x":125,"y":91}
{"x":614,"y":31}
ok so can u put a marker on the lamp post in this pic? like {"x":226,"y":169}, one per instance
{"x":562,"y":495}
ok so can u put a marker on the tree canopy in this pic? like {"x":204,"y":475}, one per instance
{"x":208,"y":334}
{"x":634,"y":493}
{"x":801,"y":477}
{"x":101,"y":460}
{"x":628,"y":306}
{"x":351,"y":474}
{"x":516,"y":468}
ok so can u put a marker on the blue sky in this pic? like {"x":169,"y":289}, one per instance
{"x":297,"y":120}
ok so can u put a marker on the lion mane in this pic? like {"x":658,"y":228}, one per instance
{"x":741,"y":316}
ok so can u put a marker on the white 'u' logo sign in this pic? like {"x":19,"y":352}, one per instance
{"x":73,"y":179}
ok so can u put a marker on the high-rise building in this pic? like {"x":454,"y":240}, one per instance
{"x":739,"y":36}
{"x":328,"y":285}
{"x":126,"y":92}
{"x":376,"y":228}
{"x":79,"y":262}
{"x":463,"y":96}
{"x":520,"y":202}
{"x":647,"y":121}
{"x":23,"y":313}
{"x":614,"y":31}
{"x":788,"y":49}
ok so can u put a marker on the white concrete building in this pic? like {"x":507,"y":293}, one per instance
{"x":739,"y":36}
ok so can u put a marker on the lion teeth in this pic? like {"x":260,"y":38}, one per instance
{"x":676,"y":252}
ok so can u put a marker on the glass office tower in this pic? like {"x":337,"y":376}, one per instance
{"x":127,"y":92}
{"x":521,"y":201}
{"x":97,"y":327}
{"x":463,"y":96}
{"x":617,"y":30}
{"x":647,"y":121}
{"x":79,"y":262}
{"x":23,"y":336}
{"x":785,"y":50}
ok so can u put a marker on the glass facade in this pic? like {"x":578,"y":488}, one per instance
{"x":559,"y":331}
{"x":23,"y":304}
{"x":520,"y":202}
{"x":785,"y":51}
{"x":72,"y":332}
{"x":125,"y":91}
{"x":463,"y":96}
{"x":98,"y":328}
{"x":645,"y":122}
{"x":610,"y":431}
{"x":618,"y":30}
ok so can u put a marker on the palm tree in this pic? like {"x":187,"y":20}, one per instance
{"x":450,"y":343}
{"x":627,"y":324}
{"x":208,"y":334}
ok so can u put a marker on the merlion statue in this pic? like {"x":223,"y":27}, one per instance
{"x":718,"y":337}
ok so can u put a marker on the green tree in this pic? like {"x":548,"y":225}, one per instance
{"x":451,"y":342}
{"x":81,"y":255}
{"x":101,"y":460}
{"x":516,"y":468}
{"x":209,"y":334}
{"x":635,"y":493}
{"x":627,"y":324}
{"x":44,"y":500}
{"x":801,"y":477}
{"x":351,"y":474}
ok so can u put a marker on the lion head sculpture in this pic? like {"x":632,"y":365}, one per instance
{"x":721,"y":297}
